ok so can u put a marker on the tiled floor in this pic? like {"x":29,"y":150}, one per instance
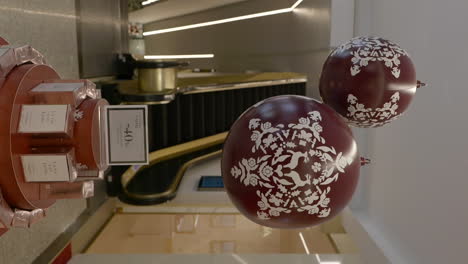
{"x":207,"y":223}
{"x":212,"y":234}
{"x":216,"y":259}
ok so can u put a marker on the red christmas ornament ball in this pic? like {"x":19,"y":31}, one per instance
{"x":368,"y":80}
{"x":290,"y":162}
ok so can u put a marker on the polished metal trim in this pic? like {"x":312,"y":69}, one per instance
{"x":167,"y":99}
{"x":103,"y":79}
{"x":233,"y":86}
{"x":169,"y":94}
{"x":146,"y":103}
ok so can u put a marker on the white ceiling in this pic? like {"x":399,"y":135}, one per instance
{"x":173,"y":8}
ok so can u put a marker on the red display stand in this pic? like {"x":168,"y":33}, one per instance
{"x":14,"y":92}
{"x":23,"y":200}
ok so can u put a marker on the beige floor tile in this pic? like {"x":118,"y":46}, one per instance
{"x":208,"y":233}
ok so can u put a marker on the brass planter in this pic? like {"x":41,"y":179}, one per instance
{"x":157,"y":76}
{"x":157,"y":80}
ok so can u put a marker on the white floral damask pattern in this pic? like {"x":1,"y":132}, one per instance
{"x":78,"y":115}
{"x":280,"y":188}
{"x":81,"y":166}
{"x":360,"y":116}
{"x":366,"y":49}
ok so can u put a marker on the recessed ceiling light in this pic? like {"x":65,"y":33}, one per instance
{"x":221,"y":21}
{"x":183,"y":56}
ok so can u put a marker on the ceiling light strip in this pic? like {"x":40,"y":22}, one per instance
{"x":183,"y":56}
{"x":296,"y":4}
{"x":147,"y":2}
{"x":221,"y":21}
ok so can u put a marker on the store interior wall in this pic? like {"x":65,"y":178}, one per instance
{"x":50,"y":27}
{"x":205,"y":234}
{"x":102,"y":33}
{"x":417,"y":181}
{"x":297,"y":41}
{"x":415,"y":202}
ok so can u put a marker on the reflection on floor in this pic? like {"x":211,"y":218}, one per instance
{"x":214,"y":233}
{"x":216,"y":259}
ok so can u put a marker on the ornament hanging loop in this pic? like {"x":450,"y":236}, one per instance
{"x":420,"y":84}
{"x":364,"y":161}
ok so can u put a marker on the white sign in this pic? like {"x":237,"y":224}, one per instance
{"x":126,"y":134}
{"x":43,"y":119}
{"x":45,"y":168}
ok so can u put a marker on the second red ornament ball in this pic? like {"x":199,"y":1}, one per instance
{"x":368,"y":80}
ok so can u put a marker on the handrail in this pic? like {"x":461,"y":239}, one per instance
{"x":170,"y":153}
{"x":173,"y":187}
